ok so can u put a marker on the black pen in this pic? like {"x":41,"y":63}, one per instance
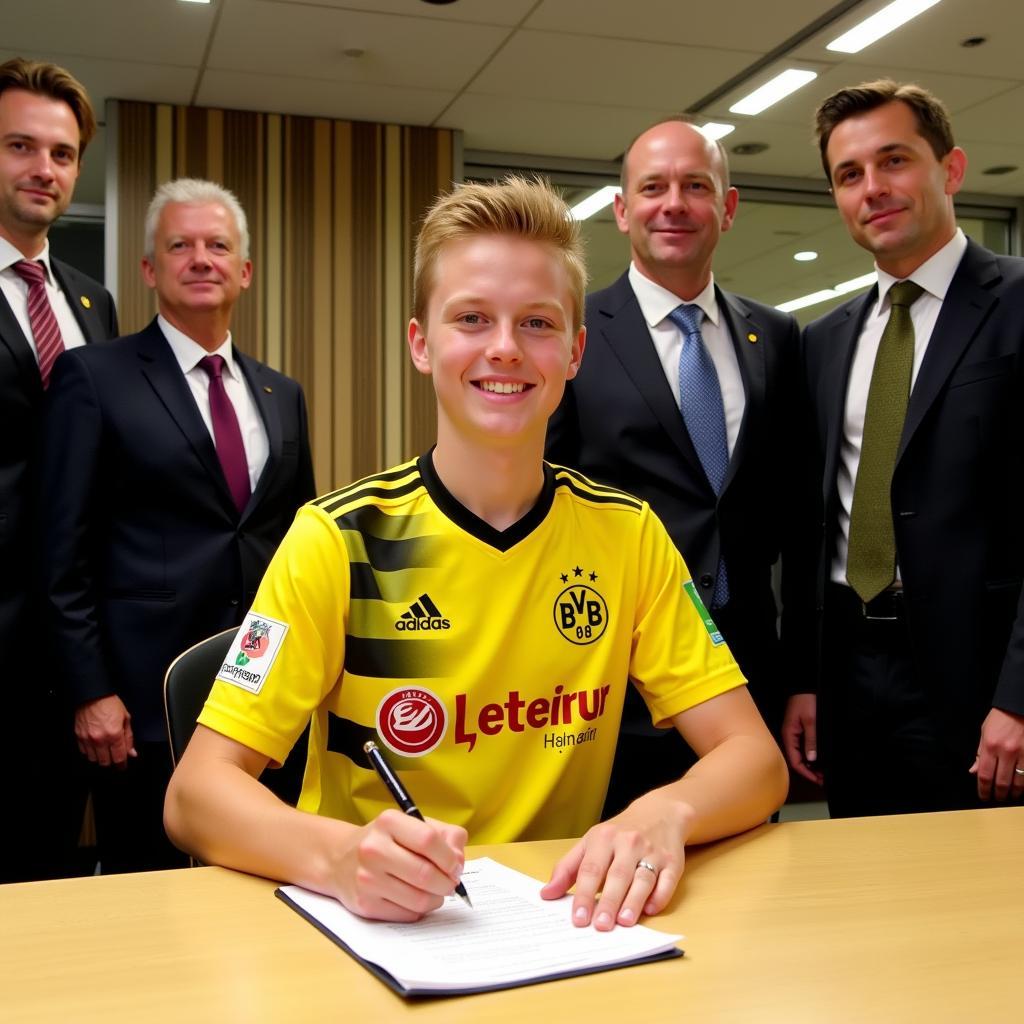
{"x":398,"y":791}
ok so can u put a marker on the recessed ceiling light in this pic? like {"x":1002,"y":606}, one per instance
{"x":714,"y":130}
{"x":750,"y":148}
{"x":771,"y":92}
{"x":353,"y":51}
{"x":971,"y":41}
{"x":805,"y":256}
{"x":881,"y":24}
{"x":1000,"y":169}
{"x":854,"y":284}
{"x":595,"y":202}
{"x":197,"y":1}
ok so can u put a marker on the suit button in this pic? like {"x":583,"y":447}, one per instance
{"x":233,"y":602}
{"x":707,"y":580}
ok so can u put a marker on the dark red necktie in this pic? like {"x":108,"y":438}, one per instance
{"x":226,"y":434}
{"x":45,"y":330}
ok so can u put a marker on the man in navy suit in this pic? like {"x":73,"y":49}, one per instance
{"x":629,"y":416}
{"x":917,"y":410}
{"x":46,"y":122}
{"x":172,"y":466}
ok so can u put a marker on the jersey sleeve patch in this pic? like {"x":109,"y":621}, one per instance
{"x":705,"y":615}
{"x":253,"y":652}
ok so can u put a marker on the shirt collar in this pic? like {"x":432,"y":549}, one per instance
{"x":9,"y":255}
{"x":188,"y":352}
{"x":656,"y":302}
{"x":934,"y":275}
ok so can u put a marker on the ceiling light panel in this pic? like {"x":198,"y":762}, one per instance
{"x":771,"y":92}
{"x":899,"y":12}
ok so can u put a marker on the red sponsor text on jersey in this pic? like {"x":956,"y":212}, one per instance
{"x":517,"y":714}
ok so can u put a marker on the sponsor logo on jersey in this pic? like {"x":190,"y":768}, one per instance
{"x":581,"y":614}
{"x":705,"y":616}
{"x":253,"y":652}
{"x":411,"y":721}
{"x":423,"y":614}
{"x":517,"y":713}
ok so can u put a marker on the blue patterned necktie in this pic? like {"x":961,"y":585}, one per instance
{"x":700,"y":402}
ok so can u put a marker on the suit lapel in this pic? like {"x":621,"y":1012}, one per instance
{"x":964,"y":309}
{"x":164,"y":375}
{"x":741,"y":324}
{"x":14,"y":338}
{"x":628,"y":336}
{"x":263,"y":395}
{"x":92,"y":330}
{"x":841,"y":345}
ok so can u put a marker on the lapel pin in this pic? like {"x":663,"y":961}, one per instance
{"x":752,"y":338}
{"x":269,"y":390}
{"x":86,"y":302}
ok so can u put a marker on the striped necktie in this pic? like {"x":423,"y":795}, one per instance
{"x":45,"y":330}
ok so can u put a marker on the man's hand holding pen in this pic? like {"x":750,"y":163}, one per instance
{"x":398,"y":868}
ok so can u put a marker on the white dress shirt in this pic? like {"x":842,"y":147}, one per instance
{"x":655,"y":304}
{"x":188,"y":353}
{"x":935,"y":277}
{"x":15,"y":290}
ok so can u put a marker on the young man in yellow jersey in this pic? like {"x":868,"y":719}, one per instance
{"x":478,"y":614}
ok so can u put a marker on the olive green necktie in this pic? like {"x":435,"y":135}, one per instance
{"x":871,"y":561}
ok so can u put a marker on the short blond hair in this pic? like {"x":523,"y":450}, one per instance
{"x":522,"y":207}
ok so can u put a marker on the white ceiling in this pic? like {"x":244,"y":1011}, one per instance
{"x":553,"y":78}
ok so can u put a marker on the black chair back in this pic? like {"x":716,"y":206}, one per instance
{"x":187,"y":685}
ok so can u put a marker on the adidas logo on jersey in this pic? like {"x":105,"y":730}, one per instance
{"x":422,"y":614}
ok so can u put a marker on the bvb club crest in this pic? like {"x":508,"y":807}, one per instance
{"x":581,"y":614}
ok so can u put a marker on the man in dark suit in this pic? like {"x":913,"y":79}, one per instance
{"x":631,"y":415}
{"x":172,"y":466}
{"x":918,"y":412}
{"x":46,"y":122}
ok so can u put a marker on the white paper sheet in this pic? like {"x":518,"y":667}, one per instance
{"x":510,"y":935}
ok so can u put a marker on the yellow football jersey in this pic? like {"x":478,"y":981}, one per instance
{"x":491,"y":665}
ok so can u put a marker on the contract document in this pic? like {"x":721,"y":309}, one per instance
{"x":509,"y":937}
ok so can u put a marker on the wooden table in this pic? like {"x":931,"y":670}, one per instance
{"x":903,"y":919}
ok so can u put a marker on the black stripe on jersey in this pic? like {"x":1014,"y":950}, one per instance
{"x":390,"y":474}
{"x":454,"y":510}
{"x":398,"y":659}
{"x":363,"y":585}
{"x":601,"y":498}
{"x":375,"y":492}
{"x":592,"y":484}
{"x":566,"y":475}
{"x":386,"y":548}
{"x":347,"y":737}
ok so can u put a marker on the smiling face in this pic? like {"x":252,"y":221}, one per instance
{"x":675,"y":206}
{"x":196,"y":266}
{"x":893,"y":193}
{"x":497,"y":339}
{"x":39,"y":144}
